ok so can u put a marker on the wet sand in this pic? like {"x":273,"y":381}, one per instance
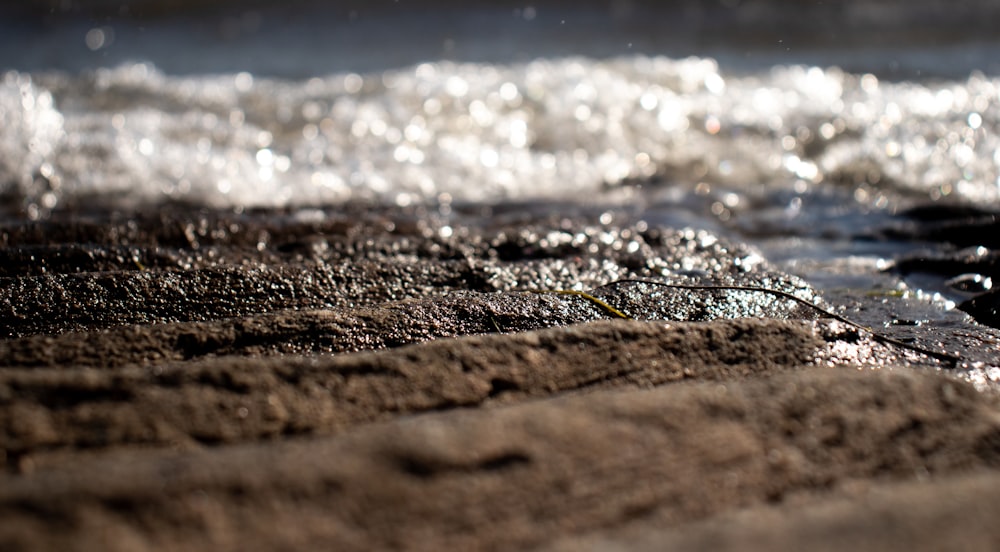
{"x":379,"y":378}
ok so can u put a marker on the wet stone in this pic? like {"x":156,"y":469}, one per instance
{"x":965,"y":261}
{"x":79,"y":275}
{"x":179,"y":285}
{"x":984,"y":307}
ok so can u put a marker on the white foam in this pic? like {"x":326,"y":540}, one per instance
{"x":552,"y":128}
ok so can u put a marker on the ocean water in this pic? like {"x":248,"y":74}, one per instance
{"x":132,"y":135}
{"x":227,"y":110}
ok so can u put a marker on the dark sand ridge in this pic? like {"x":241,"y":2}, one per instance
{"x":289,"y":380}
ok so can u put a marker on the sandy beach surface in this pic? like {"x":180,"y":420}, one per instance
{"x":394,"y":378}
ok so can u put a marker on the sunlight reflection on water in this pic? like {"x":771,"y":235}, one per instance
{"x":550,"y":128}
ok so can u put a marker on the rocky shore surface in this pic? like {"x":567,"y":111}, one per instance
{"x":474,"y":378}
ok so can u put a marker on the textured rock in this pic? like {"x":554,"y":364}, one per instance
{"x":365,"y":379}
{"x":517,"y":475}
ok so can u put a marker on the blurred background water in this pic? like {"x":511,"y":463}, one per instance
{"x":305,"y":38}
{"x":797,"y":125}
{"x":756,"y":105}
